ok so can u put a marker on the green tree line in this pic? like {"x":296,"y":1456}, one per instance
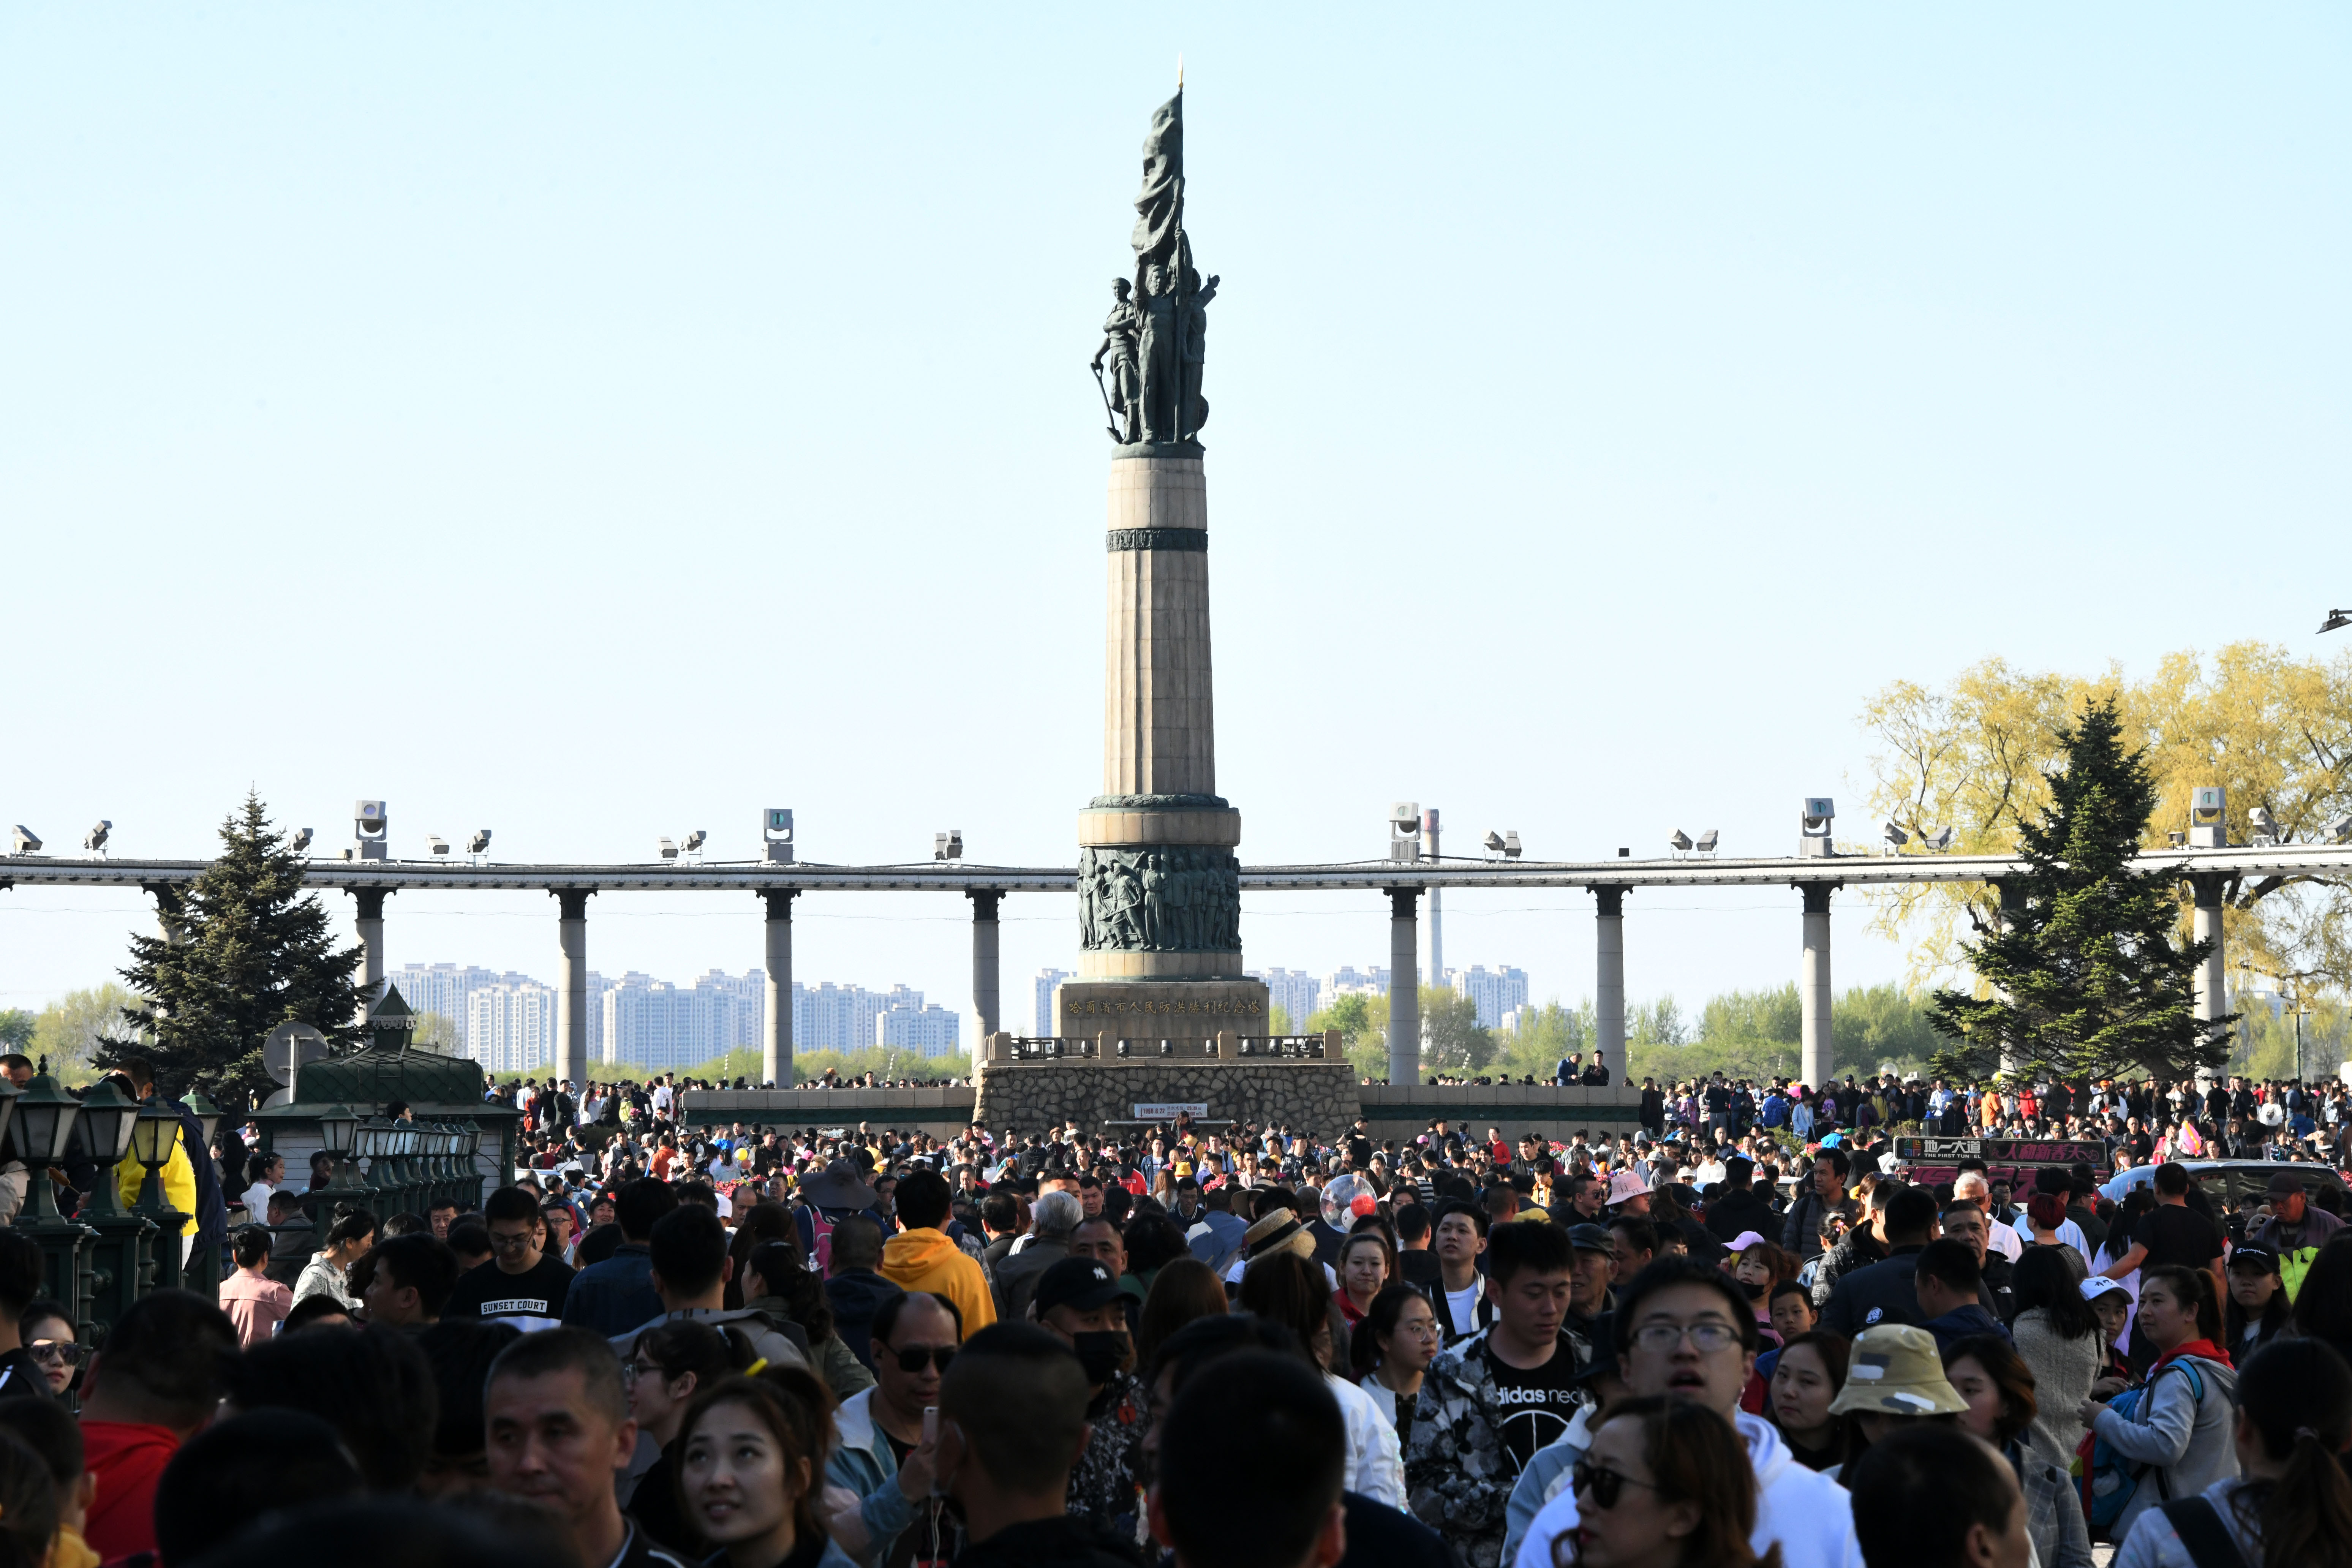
{"x":1750,"y":1033}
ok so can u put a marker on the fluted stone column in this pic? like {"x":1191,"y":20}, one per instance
{"x":1404,"y":986}
{"x":776,"y":1026}
{"x":2212,"y":975}
{"x":369,"y":921}
{"x":572,"y":984}
{"x":1609,"y":975}
{"x":1819,"y":1056}
{"x":985,"y":934}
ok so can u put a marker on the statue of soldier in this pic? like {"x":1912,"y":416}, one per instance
{"x":1157,"y":354}
{"x":1155,"y":900}
{"x":1195,"y":335}
{"x":1119,"y":344}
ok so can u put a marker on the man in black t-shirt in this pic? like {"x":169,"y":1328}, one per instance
{"x":2174,"y":1234}
{"x":519,"y":1284}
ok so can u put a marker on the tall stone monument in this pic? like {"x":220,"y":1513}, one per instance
{"x":1158,"y":884}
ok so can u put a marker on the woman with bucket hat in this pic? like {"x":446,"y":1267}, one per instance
{"x":1892,"y":1374}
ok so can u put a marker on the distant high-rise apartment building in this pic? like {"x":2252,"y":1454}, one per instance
{"x":911,"y":1024}
{"x":1295,"y":990}
{"x":653,"y":1024}
{"x":445,"y":988}
{"x":511,"y":1027}
{"x":1495,"y":991}
{"x":1041,"y":1020}
{"x":1350,"y":982}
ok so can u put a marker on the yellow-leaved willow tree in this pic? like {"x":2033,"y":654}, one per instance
{"x":2272,"y":730}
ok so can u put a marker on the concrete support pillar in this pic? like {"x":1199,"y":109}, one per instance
{"x":1404,"y":986}
{"x":171,"y":909}
{"x":984,"y":931}
{"x":369,"y":919}
{"x":1608,"y":979}
{"x":571,"y":984}
{"x":2205,"y":925}
{"x":776,"y":1024}
{"x":2010,"y":902}
{"x":1820,"y":1056}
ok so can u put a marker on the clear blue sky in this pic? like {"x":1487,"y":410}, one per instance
{"x":594,"y":422}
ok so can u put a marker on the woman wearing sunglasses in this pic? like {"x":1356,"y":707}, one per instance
{"x":49,"y":1338}
{"x":1666,"y":1485}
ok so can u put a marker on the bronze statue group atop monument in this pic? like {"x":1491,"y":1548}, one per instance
{"x":1159,"y":887}
{"x":1149,"y":361}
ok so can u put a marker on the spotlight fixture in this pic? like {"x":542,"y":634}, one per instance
{"x":479,"y":843}
{"x":667,"y":848}
{"x":1938,"y":841}
{"x":95,"y":839}
{"x":948,"y":845}
{"x":436,"y":845}
{"x":695,"y":840}
{"x":2334,"y":619}
{"x":26,"y":840}
{"x":1895,"y":839}
{"x":301,"y":841}
{"x":1681,"y":841}
{"x":1706,"y":842}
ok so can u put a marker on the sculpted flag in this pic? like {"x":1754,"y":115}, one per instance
{"x":1161,"y":207}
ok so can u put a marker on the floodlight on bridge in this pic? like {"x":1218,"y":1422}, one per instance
{"x":2338,"y":831}
{"x":1681,"y":841}
{"x":372,"y":822}
{"x":95,"y":839}
{"x":2334,"y":619}
{"x":1405,"y":832}
{"x":776,"y":835}
{"x":1493,"y":841}
{"x":1512,"y":849}
{"x":948,"y":845}
{"x":479,"y":843}
{"x":2265,"y":827}
{"x":695,"y":841}
{"x":301,"y":841}
{"x":1813,"y":825}
{"x":2208,"y":825}
{"x":1895,"y":837}
{"x":667,"y":847}
{"x":1706,"y":842}
{"x":436,"y":845}
{"x":1502,"y":844}
{"x":1938,"y":841}
{"x":25,"y":840}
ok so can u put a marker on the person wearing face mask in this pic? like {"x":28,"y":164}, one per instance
{"x":1077,"y":1302}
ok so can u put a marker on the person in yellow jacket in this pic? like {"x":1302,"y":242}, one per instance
{"x":923,"y":1256}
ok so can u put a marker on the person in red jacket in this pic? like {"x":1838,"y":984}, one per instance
{"x":152,"y":1387}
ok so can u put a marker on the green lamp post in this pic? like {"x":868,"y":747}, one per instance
{"x":339,"y":1133}
{"x":153,"y":1135}
{"x":373,"y":1142}
{"x":40,"y":1124}
{"x":120,"y":1263}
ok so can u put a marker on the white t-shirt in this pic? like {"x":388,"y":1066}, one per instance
{"x":1463,"y":1306}
{"x":256,"y":1198}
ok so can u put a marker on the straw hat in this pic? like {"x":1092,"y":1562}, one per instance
{"x":1279,"y":1231}
{"x":1895,"y":1370}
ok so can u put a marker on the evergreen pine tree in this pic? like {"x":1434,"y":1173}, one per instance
{"x":2087,"y":978}
{"x":255,"y":952}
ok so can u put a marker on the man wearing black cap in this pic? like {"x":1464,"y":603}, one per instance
{"x":1587,"y":1294}
{"x":1077,"y":1302}
{"x":2296,"y":1231}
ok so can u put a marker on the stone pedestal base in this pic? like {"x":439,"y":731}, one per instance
{"x":1187,"y":1013}
{"x":1027,"y":1097}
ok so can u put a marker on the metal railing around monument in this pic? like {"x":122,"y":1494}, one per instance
{"x":1258,"y":1048}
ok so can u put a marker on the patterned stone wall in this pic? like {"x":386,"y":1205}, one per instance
{"x":1026,"y":1096}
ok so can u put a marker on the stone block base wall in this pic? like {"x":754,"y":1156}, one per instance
{"x":1186,"y":1012}
{"x":1317,"y":1096}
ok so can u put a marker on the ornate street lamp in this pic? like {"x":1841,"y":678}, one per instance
{"x":40,"y":1127}
{"x":343,"y":1140}
{"x":153,"y":1135}
{"x":121,"y":1260}
{"x":109,"y":1117}
{"x":208,"y":1114}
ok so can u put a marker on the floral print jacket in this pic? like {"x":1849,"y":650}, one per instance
{"x":1457,"y":1474}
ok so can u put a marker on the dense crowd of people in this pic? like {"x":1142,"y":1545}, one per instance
{"x":1707,"y":1339}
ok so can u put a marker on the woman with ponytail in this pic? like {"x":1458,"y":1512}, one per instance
{"x":2291,"y":1505}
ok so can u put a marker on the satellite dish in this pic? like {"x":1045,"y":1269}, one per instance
{"x":285,"y":1045}
{"x":281,"y":1097}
